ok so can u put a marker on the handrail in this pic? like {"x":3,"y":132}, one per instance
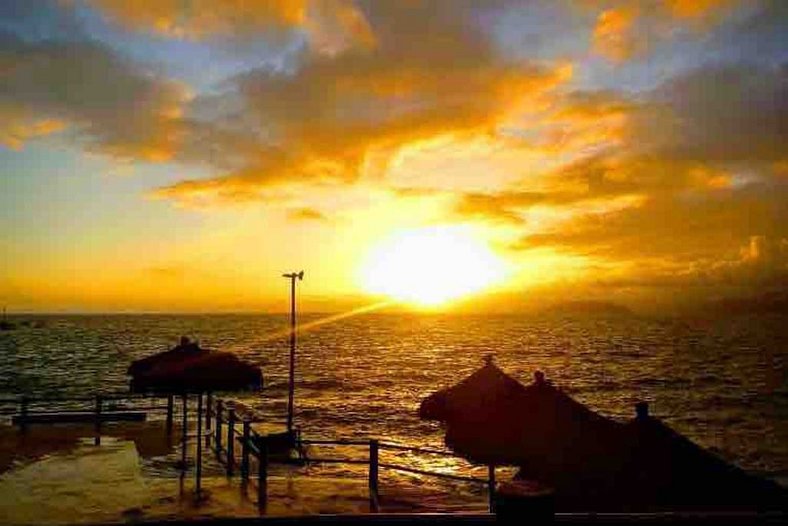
{"x":339,"y":461}
{"x":417,"y":471}
{"x":253,"y":443}
{"x":335,"y":442}
{"x":104,"y":396}
{"x":416,"y":449}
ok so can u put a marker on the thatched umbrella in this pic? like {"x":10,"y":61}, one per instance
{"x":492,"y":418}
{"x":591,"y":462}
{"x":191,"y":369}
{"x":188,"y":368}
{"x":662,"y":468}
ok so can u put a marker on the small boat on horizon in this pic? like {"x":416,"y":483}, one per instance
{"x":6,"y":325}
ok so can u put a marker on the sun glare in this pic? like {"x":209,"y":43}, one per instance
{"x":429,"y":267}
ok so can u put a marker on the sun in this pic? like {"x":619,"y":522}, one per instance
{"x":429,"y":267}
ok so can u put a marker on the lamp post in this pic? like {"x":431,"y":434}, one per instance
{"x":291,"y":388}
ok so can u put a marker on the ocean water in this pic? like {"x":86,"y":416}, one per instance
{"x":721,"y":381}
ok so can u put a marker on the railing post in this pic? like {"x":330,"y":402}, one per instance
{"x":170,"y":409}
{"x":198,"y":466}
{"x":208,"y":412}
{"x":245,"y":449}
{"x":23,"y":414}
{"x":262,"y":473}
{"x":184,"y":428}
{"x":374,"y":447}
{"x":218,"y":436}
{"x":491,"y":486}
{"x":97,"y":423}
{"x":230,"y":441}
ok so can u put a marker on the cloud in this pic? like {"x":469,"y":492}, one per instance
{"x":728,"y":112}
{"x":201,"y":18}
{"x":326,"y":119}
{"x":307,"y":214}
{"x":331,"y":26}
{"x":660,"y":188}
{"x":697,"y":8}
{"x":766,"y":255}
{"x":613,"y":35}
{"x":628,"y":28}
{"x":111,"y":104}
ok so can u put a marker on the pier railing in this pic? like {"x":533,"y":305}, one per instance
{"x":97,"y":408}
{"x":231,"y":429}
{"x":228,"y":426}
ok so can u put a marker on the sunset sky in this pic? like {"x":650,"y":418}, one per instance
{"x":179,"y":155}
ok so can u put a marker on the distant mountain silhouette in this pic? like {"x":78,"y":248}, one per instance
{"x":770,"y":302}
{"x":599,"y":308}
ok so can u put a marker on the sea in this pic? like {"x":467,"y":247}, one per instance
{"x":720,"y":380}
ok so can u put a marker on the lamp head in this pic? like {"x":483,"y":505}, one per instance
{"x":301,"y":275}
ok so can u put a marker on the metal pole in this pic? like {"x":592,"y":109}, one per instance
{"x":97,"y":422}
{"x":23,"y":415}
{"x":373,"y":475}
{"x":245,"y":449}
{"x":217,"y":441}
{"x":262,"y":474}
{"x":291,"y":389}
{"x":184,"y":429}
{"x":491,"y":486}
{"x":230,"y":442}
{"x":170,"y":404}
{"x":198,"y":471}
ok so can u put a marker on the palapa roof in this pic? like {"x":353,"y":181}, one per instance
{"x":594,"y":463}
{"x":674,"y":471}
{"x":493,"y":418}
{"x":190,"y":368}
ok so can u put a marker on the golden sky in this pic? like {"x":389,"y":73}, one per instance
{"x":176,"y":155}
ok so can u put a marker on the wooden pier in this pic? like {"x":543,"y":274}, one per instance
{"x":229,"y":433}
{"x":248,"y":454}
{"x":259,"y":451}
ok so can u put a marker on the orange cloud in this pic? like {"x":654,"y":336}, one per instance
{"x":332,"y":25}
{"x":697,"y":8}
{"x":307,"y":214}
{"x":201,"y":18}
{"x":614,"y":36}
{"x":328,"y":119}
{"x":17,"y":130}
{"x":626,"y":28}
{"x":118,"y":107}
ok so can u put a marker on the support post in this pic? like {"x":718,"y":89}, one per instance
{"x":184,"y":429}
{"x":247,"y":431}
{"x":230,"y":442}
{"x":208,"y":412}
{"x":23,"y":414}
{"x":262,"y":473}
{"x":170,"y":410}
{"x":491,"y":486}
{"x":97,"y":422}
{"x":218,"y":436}
{"x":291,"y":378}
{"x":198,"y":469}
{"x":374,"y":449}
{"x":291,"y":383}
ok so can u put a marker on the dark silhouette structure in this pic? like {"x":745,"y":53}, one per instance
{"x":293,"y":276}
{"x":188,"y":368}
{"x":590,"y":461}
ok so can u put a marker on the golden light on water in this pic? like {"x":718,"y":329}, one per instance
{"x":430,"y":267}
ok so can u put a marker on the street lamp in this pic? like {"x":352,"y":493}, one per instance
{"x":291,"y":390}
